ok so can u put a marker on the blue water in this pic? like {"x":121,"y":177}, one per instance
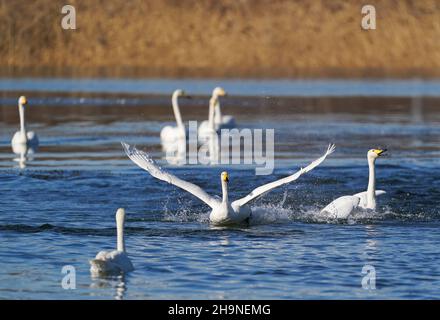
{"x":287,"y":87}
{"x":59,"y":210}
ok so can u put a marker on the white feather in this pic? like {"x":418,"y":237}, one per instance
{"x":223,"y":212}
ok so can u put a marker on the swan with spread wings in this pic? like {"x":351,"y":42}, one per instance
{"x":223,"y":211}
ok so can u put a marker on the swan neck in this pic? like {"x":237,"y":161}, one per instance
{"x":176,"y":111}
{"x":211,"y":120}
{"x":371,"y":191}
{"x":225,"y":192}
{"x":218,"y":113}
{"x":120,"y":234}
{"x":22,"y":120}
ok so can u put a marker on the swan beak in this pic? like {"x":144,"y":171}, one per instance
{"x":222,"y":92}
{"x":225,"y":177}
{"x":379,"y":152}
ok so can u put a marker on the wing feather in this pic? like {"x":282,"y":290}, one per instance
{"x":144,"y":161}
{"x":272,"y":185}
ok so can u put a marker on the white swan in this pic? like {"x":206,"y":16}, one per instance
{"x":115,"y":261}
{"x":220,"y":121}
{"x":170,"y":134}
{"x":23,"y":141}
{"x":342,"y":207}
{"x":223,"y":211}
{"x":208,"y":127}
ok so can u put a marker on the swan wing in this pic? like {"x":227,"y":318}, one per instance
{"x":102,"y":266}
{"x":272,"y":185}
{"x":363,"y":197}
{"x":341,"y":208}
{"x":144,"y":161}
{"x":122,"y":260}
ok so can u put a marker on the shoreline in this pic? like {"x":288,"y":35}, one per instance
{"x":141,"y":72}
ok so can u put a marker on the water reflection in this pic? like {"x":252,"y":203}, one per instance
{"x":117,"y":282}
{"x":221,"y":241}
{"x":416,"y":113}
{"x":24,"y":154}
{"x":371,"y":247}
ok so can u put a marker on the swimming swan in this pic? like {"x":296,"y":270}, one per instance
{"x":342,"y":207}
{"x":172,"y":134}
{"x":223,"y":211}
{"x":207,"y":128}
{"x":220,"y":121}
{"x":23,"y":140}
{"x":115,"y":261}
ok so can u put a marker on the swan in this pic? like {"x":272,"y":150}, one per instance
{"x":221,"y":122}
{"x":170,"y":134}
{"x":208,"y":127}
{"x":115,"y":261}
{"x":343,"y":206}
{"x":23,"y":141}
{"x":223,"y":211}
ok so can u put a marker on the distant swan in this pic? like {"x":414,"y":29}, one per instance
{"x":342,"y":207}
{"x":223,"y":211}
{"x":171,"y":134}
{"x":209,"y":127}
{"x":115,"y":261}
{"x":222,"y":122}
{"x":23,"y":140}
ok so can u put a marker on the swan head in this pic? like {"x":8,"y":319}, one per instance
{"x":225,"y":176}
{"x":375,"y":153}
{"x":178,"y":93}
{"x":22,"y":101}
{"x":120,"y":215}
{"x":218,"y":92}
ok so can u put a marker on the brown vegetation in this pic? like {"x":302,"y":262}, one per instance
{"x":223,"y":38}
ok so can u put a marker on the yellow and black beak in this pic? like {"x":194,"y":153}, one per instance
{"x":225,"y":177}
{"x":379,"y":152}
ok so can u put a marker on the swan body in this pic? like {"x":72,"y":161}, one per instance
{"x":344,"y":206}
{"x":115,"y":261}
{"x":24,"y":141}
{"x":171,"y":134}
{"x":111,"y":262}
{"x":214,"y":122}
{"x":223,"y":211}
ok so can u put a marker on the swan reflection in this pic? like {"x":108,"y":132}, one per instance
{"x":24,"y":153}
{"x":119,"y":284}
